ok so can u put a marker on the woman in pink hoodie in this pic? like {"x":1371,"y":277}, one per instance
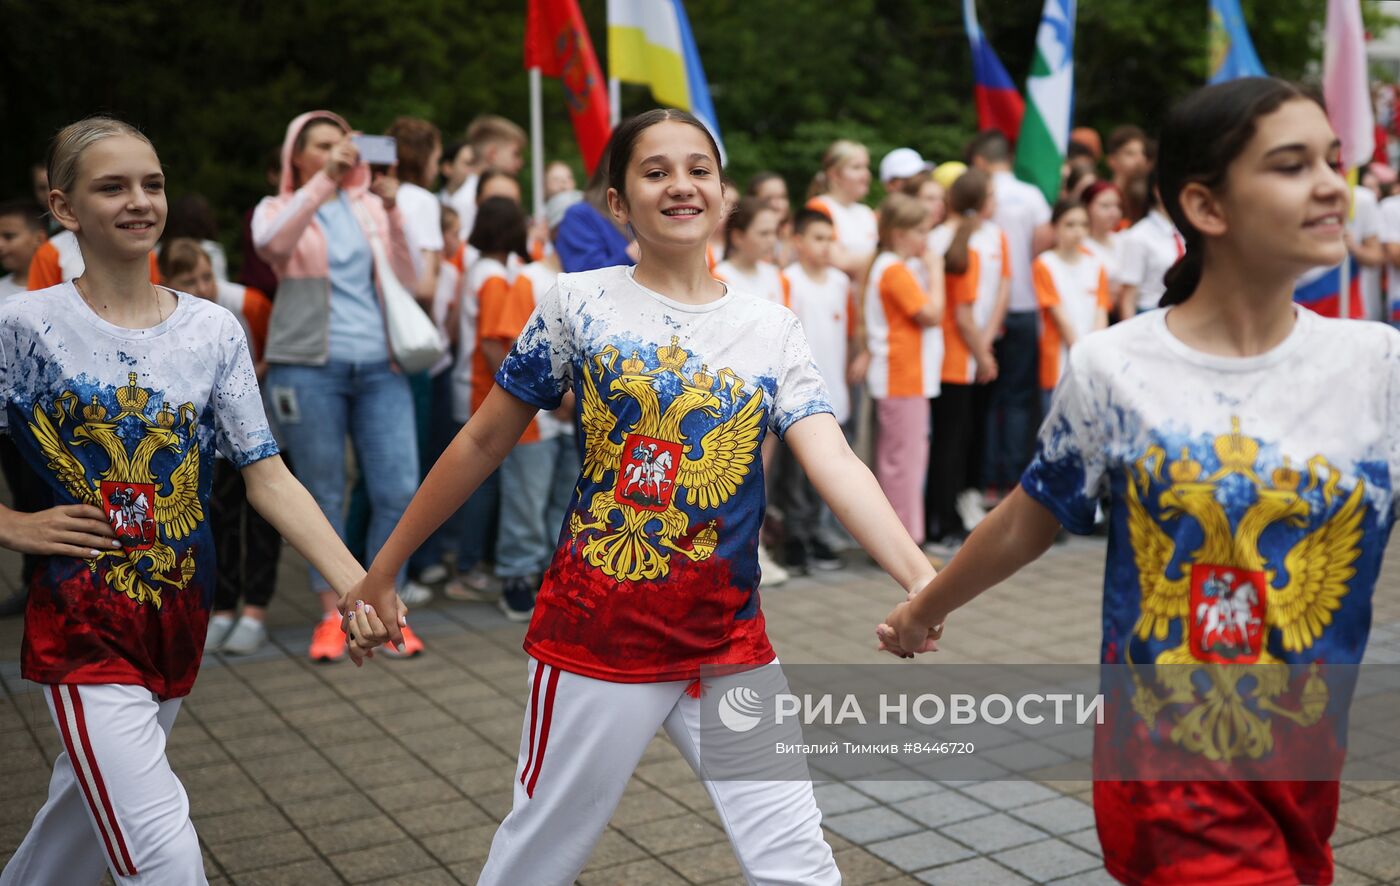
{"x":330,"y":371}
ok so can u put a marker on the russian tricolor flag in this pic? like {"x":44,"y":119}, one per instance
{"x":1320,"y":291}
{"x":999,"y":105}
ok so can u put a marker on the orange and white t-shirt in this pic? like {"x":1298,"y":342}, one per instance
{"x":59,"y":260}
{"x":905,"y":358}
{"x":506,"y":324}
{"x":828,"y":320}
{"x":253,"y":310}
{"x":766,"y":281}
{"x":1081,"y":290}
{"x":855,"y":224}
{"x":987,"y":267}
{"x":488,"y":285}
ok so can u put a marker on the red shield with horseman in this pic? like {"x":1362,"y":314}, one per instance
{"x":646,"y":478}
{"x":1227,"y":617}
{"x":130,"y":509}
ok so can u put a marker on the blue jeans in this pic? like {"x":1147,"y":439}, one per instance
{"x":1014,"y":411}
{"x":537,"y":484}
{"x":317,"y":407}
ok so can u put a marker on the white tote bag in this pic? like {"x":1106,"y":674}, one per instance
{"x":414,"y":340}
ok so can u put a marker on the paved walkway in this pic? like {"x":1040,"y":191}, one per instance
{"x":263,"y":742}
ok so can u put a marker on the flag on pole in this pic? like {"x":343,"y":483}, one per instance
{"x":999,"y":105}
{"x":650,"y":42}
{"x":1040,"y":151}
{"x":557,"y":43}
{"x":1231,"y":51}
{"x":1345,"y":85}
{"x":1321,"y":290}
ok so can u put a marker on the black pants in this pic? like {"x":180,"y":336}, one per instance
{"x":796,"y":498}
{"x":247,"y":545}
{"x":1015,"y":402}
{"x":954,"y":430}
{"x":30,"y":494}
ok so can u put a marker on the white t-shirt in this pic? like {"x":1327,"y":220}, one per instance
{"x":1389,"y":212}
{"x":1111,"y":256}
{"x":1020,"y":209}
{"x":540,"y":279}
{"x":422,"y":222}
{"x":127,"y":420}
{"x":1365,"y":224}
{"x":70,"y":256}
{"x":1079,"y":289}
{"x":464,"y":201}
{"x":10,"y":286}
{"x":766,"y":281}
{"x":1266,"y":483}
{"x":1147,"y":250}
{"x":824,"y":309}
{"x":856,"y":227}
{"x":906,"y":359}
{"x":466,"y":372}
{"x":656,"y":573}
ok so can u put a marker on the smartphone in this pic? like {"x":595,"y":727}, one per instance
{"x":377,"y":150}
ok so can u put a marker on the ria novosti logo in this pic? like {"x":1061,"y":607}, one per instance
{"x":740,"y":709}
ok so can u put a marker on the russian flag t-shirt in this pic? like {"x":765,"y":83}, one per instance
{"x":1251,"y":501}
{"x":655,"y":574}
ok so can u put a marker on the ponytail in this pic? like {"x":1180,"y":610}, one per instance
{"x":818,"y":186}
{"x":1183,"y":277}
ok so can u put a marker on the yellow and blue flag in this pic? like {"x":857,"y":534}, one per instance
{"x":650,"y":42}
{"x":1232,"y":53}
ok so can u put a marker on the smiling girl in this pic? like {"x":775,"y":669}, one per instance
{"x":654,"y":580}
{"x":1236,"y":450}
{"x":117,"y":392}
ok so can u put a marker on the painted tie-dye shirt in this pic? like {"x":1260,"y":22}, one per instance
{"x":655,"y":574}
{"x":1250,"y":504}
{"x":127,"y":420}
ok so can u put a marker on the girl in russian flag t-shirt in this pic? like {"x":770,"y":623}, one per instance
{"x":1252,"y":490}
{"x":118,"y":393}
{"x":651,"y":598}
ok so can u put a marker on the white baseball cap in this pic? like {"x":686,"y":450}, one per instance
{"x":902,"y":163}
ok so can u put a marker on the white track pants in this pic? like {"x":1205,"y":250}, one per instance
{"x":581,"y":742}
{"x":114,"y":803}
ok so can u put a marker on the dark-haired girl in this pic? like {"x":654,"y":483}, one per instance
{"x":1243,"y":464}
{"x":654,"y":579}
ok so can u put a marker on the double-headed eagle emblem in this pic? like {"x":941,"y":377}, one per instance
{"x":636,"y":524}
{"x":127,"y":491}
{"x":1226,"y":598}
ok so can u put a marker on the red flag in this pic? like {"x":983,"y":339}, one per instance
{"x":557,"y":42}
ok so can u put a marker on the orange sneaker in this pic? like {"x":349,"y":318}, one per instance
{"x":328,"y":640}
{"x":411,"y":646}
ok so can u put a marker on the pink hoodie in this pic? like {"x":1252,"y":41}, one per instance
{"x":286,"y":235}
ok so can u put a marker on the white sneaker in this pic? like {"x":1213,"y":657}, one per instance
{"x":473,"y":586}
{"x":414,"y":594}
{"x":433,"y":574}
{"x":770,"y":573}
{"x":219,"y":627}
{"x":247,"y":637}
{"x":970,"y":508}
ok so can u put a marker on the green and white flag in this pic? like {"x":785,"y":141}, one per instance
{"x":1040,"y":149}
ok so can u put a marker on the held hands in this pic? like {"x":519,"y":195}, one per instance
{"x":986,"y":368}
{"x":904,"y":634}
{"x":365,"y":627}
{"x":80,"y":531}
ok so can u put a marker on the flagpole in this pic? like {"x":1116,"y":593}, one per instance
{"x":537,"y":143}
{"x":615,"y":100}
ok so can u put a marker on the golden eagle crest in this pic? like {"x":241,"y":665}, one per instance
{"x":1227,"y":598}
{"x":127,"y":491}
{"x":636,"y":524}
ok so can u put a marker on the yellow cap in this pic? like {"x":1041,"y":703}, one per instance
{"x":947,"y":173}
